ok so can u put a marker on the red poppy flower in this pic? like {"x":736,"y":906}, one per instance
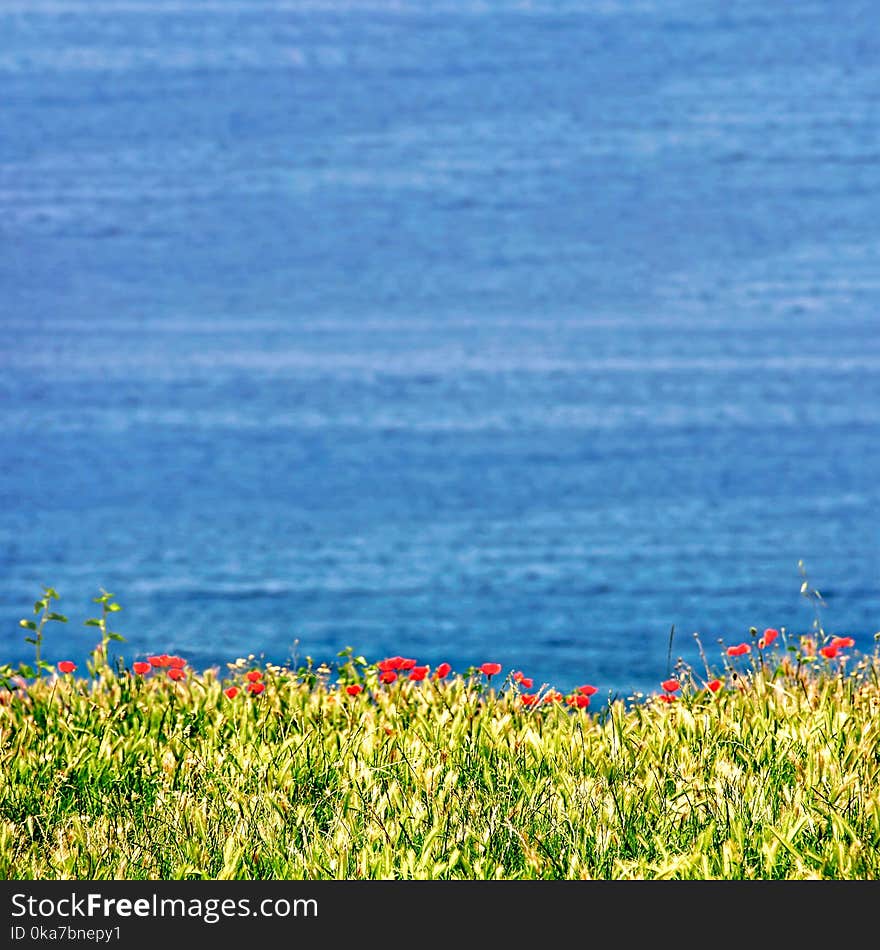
{"x":587,"y":690}
{"x":525,"y":681}
{"x":842,"y":642}
{"x":141,"y":668}
{"x":490,"y":669}
{"x":387,"y":676}
{"x":671,"y":685}
{"x":253,"y":676}
{"x":406,"y":664}
{"x":232,"y":692}
{"x":739,"y":650}
{"x":418,"y":673}
{"x":390,"y":664}
{"x":528,"y":699}
{"x":554,"y":696}
{"x":66,"y":666}
{"x":442,"y":671}
{"x":714,"y":685}
{"x":256,"y":688}
{"x":176,"y":662}
{"x":666,"y":698}
{"x":176,"y":674}
{"x":579,"y":700}
{"x":159,"y":661}
{"x":769,"y":636}
{"x":829,"y":652}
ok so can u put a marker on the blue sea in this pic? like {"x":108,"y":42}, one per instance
{"x":467,"y":331}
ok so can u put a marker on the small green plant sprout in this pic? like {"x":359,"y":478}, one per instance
{"x":352,"y":668}
{"x":306,"y":673}
{"x":814,"y":597}
{"x":42,"y":608}
{"x":99,"y":654}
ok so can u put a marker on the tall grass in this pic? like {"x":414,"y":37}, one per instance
{"x":139,"y":776}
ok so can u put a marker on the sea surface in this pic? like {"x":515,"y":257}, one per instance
{"x":467,"y":331}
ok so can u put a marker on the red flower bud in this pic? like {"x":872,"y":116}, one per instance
{"x":769,"y":636}
{"x":739,"y":650}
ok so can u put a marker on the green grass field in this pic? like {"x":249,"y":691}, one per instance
{"x":111,"y":773}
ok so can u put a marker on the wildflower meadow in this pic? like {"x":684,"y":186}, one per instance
{"x":764,"y":764}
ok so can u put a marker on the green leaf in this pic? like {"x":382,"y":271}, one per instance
{"x":26,"y":670}
{"x":113,"y":607}
{"x":59,"y":617}
{"x":92,"y":622}
{"x":30,"y":640}
{"x":40,"y":605}
{"x":51,"y":592}
{"x":114,"y":636}
{"x":29,"y":624}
